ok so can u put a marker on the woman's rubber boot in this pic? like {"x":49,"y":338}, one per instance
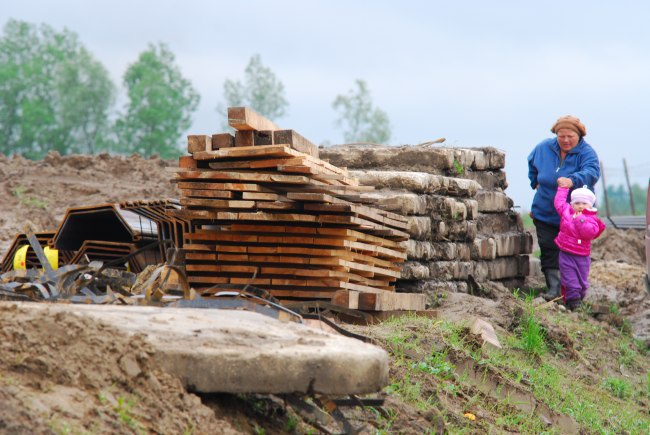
{"x":553,"y":284}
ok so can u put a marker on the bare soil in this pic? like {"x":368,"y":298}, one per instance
{"x":41,"y":191}
{"x":66,"y":374}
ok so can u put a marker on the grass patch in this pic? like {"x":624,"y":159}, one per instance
{"x":124,"y":410}
{"x":619,"y":387}
{"x":426,"y":374}
{"x":531,"y":333}
{"x":29,"y":201}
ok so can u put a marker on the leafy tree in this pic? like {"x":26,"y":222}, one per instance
{"x":261,"y":91}
{"x":161,"y":102}
{"x":362,"y":122}
{"x":53,"y":94}
{"x":618,"y":199}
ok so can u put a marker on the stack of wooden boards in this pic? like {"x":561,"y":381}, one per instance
{"x":266,"y":211}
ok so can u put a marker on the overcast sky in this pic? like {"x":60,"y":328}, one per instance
{"x":478,"y":73}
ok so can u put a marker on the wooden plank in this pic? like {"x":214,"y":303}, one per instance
{"x":318,"y":173}
{"x":278,"y":205}
{"x":296,"y":294}
{"x":255,"y":196}
{"x":208,"y":193}
{"x":264,"y":163}
{"x":237,"y":187}
{"x":221,"y":268}
{"x":249,"y":152}
{"x":216,"y":203}
{"x":222,"y":140}
{"x":200,"y":256}
{"x":316,"y":197}
{"x":188,"y":247}
{"x":242,"y":176}
{"x":333,"y":190}
{"x":264,"y":216}
{"x":392,"y":301}
{"x":379,"y":301}
{"x":245,"y":118}
{"x":296,"y":141}
{"x":198,"y":142}
{"x":262,"y":259}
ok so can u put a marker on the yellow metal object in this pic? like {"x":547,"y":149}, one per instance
{"x":52,"y":256}
{"x":20,"y":258}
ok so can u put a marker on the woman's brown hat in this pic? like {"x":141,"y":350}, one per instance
{"x":570,"y":122}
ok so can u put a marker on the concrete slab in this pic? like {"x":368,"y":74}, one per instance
{"x":243,"y":352}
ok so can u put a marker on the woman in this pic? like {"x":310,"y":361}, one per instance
{"x":566,"y":161}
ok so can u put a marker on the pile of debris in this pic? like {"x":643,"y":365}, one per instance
{"x":257,"y":208}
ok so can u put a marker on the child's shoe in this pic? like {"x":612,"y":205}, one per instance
{"x":573,"y":304}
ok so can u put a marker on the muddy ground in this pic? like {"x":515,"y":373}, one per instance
{"x":69,"y":375}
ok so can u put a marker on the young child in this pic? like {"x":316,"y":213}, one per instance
{"x":579,"y":225}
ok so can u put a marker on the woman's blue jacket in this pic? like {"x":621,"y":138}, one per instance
{"x":545,"y":166}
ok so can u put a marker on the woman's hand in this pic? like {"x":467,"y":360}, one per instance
{"x":565,"y":182}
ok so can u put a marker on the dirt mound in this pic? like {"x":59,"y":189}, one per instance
{"x":41,"y":191}
{"x":626,"y":246}
{"x":64,"y":373}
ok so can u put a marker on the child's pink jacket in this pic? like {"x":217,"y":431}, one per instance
{"x":576,"y":234}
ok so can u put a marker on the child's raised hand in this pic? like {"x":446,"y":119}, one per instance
{"x":564,"y":182}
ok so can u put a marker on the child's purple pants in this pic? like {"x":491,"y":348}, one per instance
{"x":574,"y":274}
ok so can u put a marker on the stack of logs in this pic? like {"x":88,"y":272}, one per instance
{"x":462,"y":227}
{"x":264,"y":210}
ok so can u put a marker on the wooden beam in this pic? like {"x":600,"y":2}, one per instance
{"x":263,"y":138}
{"x":379,"y":300}
{"x":245,"y":118}
{"x":222,"y":140}
{"x":198,"y":142}
{"x":244,"y":138}
{"x":296,"y":141}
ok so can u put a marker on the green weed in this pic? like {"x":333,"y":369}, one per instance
{"x":437,"y":365}
{"x":454,"y":334}
{"x":384,"y":419}
{"x":619,"y":387}
{"x":291,"y":424}
{"x":626,"y":356}
{"x":29,"y":201}
{"x":458,"y":168}
{"x":531,"y":333}
{"x":124,"y":410}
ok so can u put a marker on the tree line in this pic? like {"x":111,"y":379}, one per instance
{"x":55,"y":96}
{"x":618,"y":200}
